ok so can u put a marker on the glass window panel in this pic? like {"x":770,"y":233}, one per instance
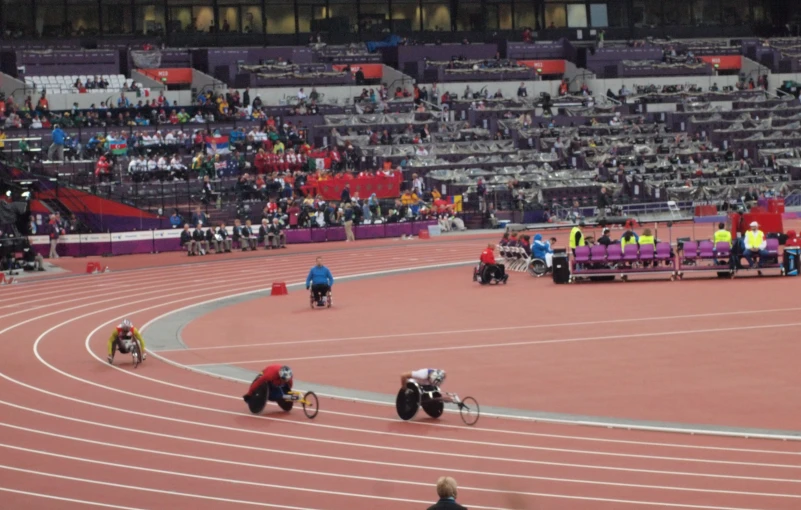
{"x":648,"y":13}
{"x":735,"y":12}
{"x":617,"y":14}
{"x":525,"y":16}
{"x":469,"y":16}
{"x":252,"y":20}
{"x":707,"y":12}
{"x":50,"y":18}
{"x":229,"y":18}
{"x":374,"y":16}
{"x":149,"y":17}
{"x":555,"y":16}
{"x":308,"y":12}
{"x":116,"y":16}
{"x":281,"y":17}
{"x":678,"y":13}
{"x":499,"y":15}
{"x":406,"y":14}
{"x":436,"y":16}
{"x":203,"y":16}
{"x":598,"y":15}
{"x":18,"y":16}
{"x":83,"y":16}
{"x":345,"y":10}
{"x":181,"y":19}
{"x":576,"y":15}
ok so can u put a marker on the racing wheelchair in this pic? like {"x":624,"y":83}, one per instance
{"x":485,"y":275}
{"x":325,"y":302}
{"x":413,"y":396}
{"x":130,"y":346}
{"x":258,"y":400}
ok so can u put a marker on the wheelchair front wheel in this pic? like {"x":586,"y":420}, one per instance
{"x":310,"y":405}
{"x":469,"y":411}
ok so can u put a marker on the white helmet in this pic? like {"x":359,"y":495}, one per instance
{"x":126,"y":325}
{"x":436,"y":377}
{"x":285,"y":373}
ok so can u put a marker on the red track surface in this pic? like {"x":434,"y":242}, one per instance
{"x":77,"y":432}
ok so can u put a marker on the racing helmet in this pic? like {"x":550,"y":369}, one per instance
{"x":126,"y":325}
{"x":285,"y":373}
{"x":436,"y":377}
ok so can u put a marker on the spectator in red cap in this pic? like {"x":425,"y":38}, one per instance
{"x":792,"y":239}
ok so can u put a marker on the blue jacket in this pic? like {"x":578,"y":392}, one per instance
{"x":320,"y":276}
{"x":539,"y":248}
{"x":58,"y":136}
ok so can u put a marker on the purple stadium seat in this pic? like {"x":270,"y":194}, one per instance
{"x":614,"y":253}
{"x":582,"y":254}
{"x":663,"y":251}
{"x":706,"y":250}
{"x":772,"y":247}
{"x":723,"y":249}
{"x":647,"y":252}
{"x":690,"y":250}
{"x":598,"y":253}
{"x":630,"y":252}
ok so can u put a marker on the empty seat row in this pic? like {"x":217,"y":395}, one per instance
{"x":615,"y":253}
{"x":66,"y":83}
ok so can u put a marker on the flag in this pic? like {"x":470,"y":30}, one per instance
{"x":455,"y":201}
{"x":218,"y":145}
{"x":119,"y":148}
{"x":322,"y":163}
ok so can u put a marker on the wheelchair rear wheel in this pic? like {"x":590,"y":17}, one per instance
{"x":258,"y":400}
{"x":407,"y":404}
{"x":434,"y":408}
{"x":537,"y":268}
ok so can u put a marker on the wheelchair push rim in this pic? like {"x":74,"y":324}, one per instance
{"x":137,"y":356}
{"x":469,"y":411}
{"x":310,"y":405}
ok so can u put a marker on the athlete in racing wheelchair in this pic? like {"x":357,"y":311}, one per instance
{"x":488,"y":270}
{"x":320,"y":281}
{"x":126,"y":338}
{"x":421,"y":388}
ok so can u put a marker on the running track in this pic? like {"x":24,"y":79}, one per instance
{"x":77,"y":433}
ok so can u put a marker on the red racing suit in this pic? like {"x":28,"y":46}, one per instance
{"x":269,"y":375}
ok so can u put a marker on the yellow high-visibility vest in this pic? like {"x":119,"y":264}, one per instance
{"x":722,"y":236}
{"x":573,"y":238}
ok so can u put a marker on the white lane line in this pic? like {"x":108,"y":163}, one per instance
{"x":67,"y":500}
{"x":330,"y":493}
{"x":511,"y":344}
{"x":387,"y":480}
{"x":490,"y":330}
{"x":140,"y":488}
{"x":425,"y":466}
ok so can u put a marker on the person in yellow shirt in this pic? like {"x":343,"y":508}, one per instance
{"x":406,"y":198}
{"x":755,"y":244}
{"x":646,"y":238}
{"x":435,"y":194}
{"x":278,"y":148}
{"x":121,"y":339}
{"x":722,"y":235}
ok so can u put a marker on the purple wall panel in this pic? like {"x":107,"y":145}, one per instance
{"x":318,"y":235}
{"x":303,"y":235}
{"x":335,"y":234}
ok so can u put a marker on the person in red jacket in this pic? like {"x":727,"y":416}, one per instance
{"x":278,"y":382}
{"x":489,"y":268}
{"x":792,"y":239}
{"x":103,"y":169}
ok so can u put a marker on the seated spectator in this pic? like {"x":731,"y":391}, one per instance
{"x":755,"y":244}
{"x":249,"y":236}
{"x":263,"y":232}
{"x":646,"y":238}
{"x":223,"y":238}
{"x":542,"y":250}
{"x":275,"y":235}
{"x":605,"y":239}
{"x":211,"y":240}
{"x":176,"y":220}
{"x":188,"y":242}
{"x":505,"y":239}
{"x":792,"y":239}
{"x":201,"y":246}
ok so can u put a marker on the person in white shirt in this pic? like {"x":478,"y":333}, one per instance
{"x":755,"y":244}
{"x":429,"y":379}
{"x":301,"y":96}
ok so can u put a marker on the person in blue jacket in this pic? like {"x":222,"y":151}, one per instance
{"x":542,"y":250}
{"x":320,"y":280}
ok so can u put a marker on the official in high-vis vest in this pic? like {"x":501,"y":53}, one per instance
{"x":647,"y":238}
{"x":576,"y":239}
{"x":722,"y":235}
{"x":755,"y":244}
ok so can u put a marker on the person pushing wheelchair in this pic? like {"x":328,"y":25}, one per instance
{"x":320,"y":281}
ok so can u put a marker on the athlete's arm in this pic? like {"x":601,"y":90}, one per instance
{"x":114,"y":337}
{"x":405,"y":376}
{"x":139,"y":339}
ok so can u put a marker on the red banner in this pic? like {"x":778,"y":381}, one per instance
{"x":169,"y":75}
{"x":545,"y":66}
{"x":371,"y":71}
{"x":331,"y":189}
{"x":723,"y":62}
